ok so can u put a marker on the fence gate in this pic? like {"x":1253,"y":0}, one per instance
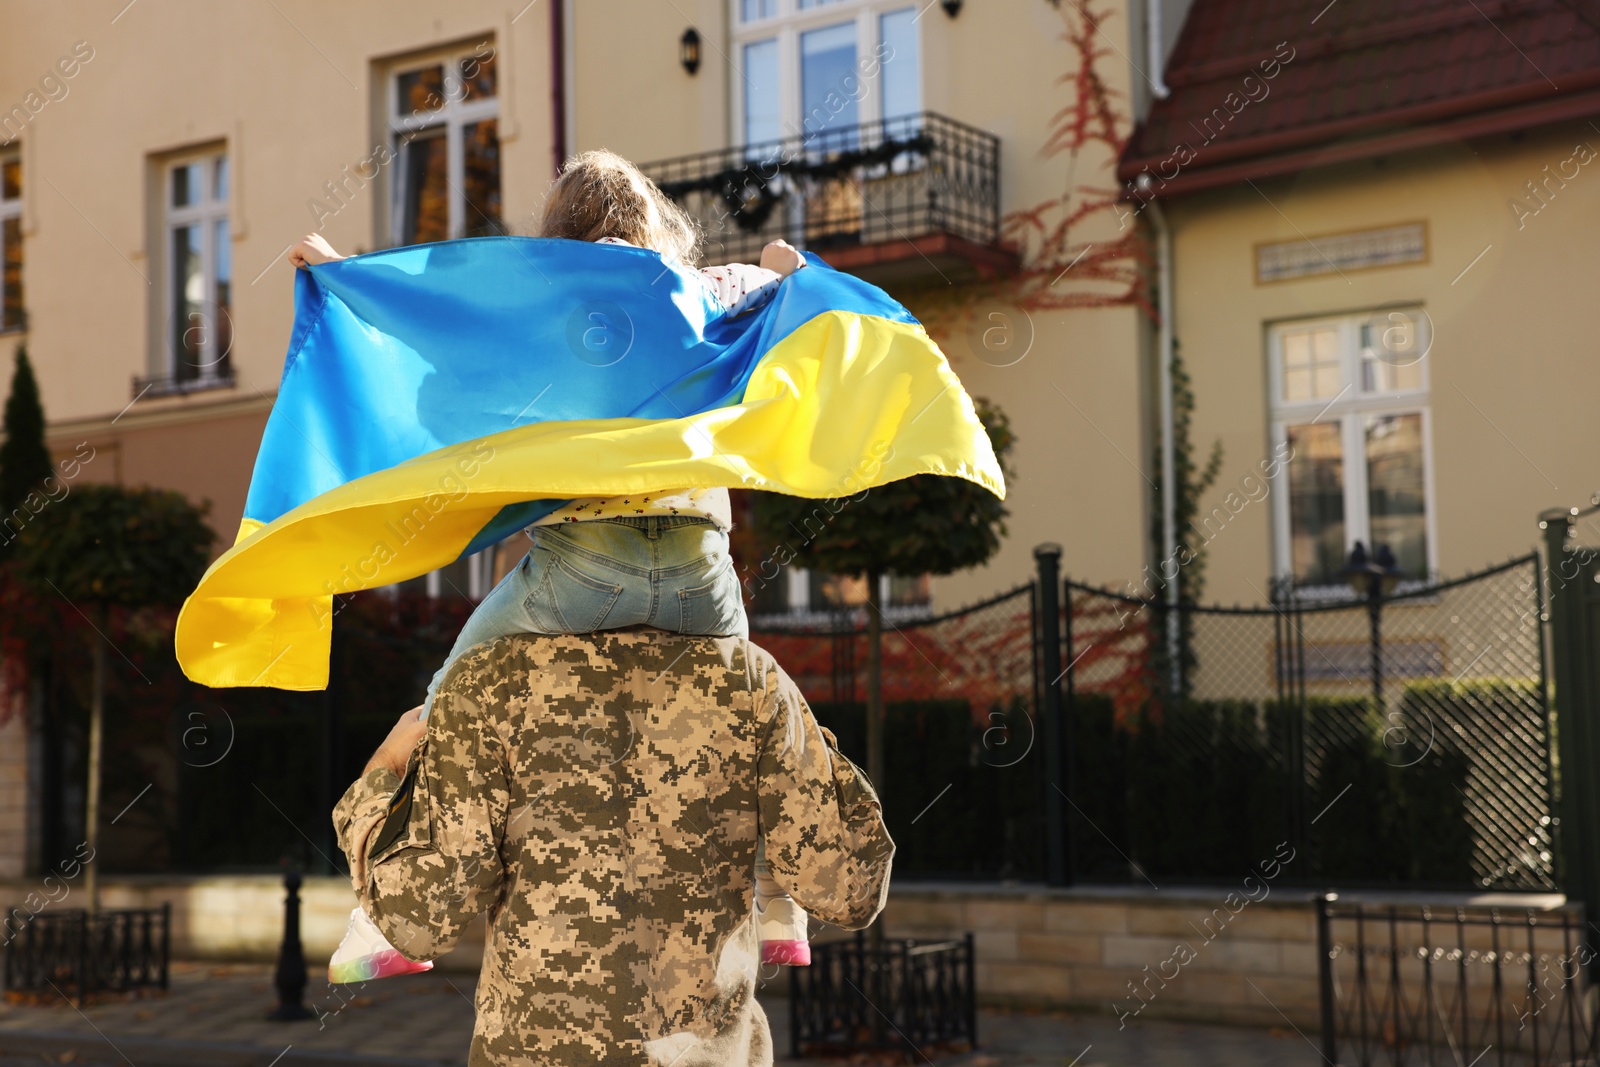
{"x":1402,"y":741}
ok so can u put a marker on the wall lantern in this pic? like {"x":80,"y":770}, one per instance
{"x":689,"y":50}
{"x":951,"y":7}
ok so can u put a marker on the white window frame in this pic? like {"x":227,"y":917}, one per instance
{"x":787,"y":26}
{"x":1349,"y":409}
{"x":455,"y":116}
{"x":11,"y":208}
{"x":210,"y":210}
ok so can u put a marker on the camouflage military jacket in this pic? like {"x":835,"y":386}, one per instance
{"x":601,"y":796}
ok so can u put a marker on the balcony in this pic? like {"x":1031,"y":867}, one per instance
{"x":906,"y":202}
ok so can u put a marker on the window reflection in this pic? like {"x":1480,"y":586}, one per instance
{"x":188,"y":185}
{"x":478,"y":76}
{"x":1311,"y":364}
{"x":188,"y":300}
{"x":829,"y":81}
{"x":1396,"y":492}
{"x":761,"y":118}
{"x":222,"y":324}
{"x":446,"y":179}
{"x":421,"y":91}
{"x":1316,"y":502}
{"x":902,"y":69}
{"x":481,"y":175}
{"x":1392,"y":350}
{"x":424,"y":189}
{"x":11,"y":273}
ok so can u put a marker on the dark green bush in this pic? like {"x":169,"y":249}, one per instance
{"x":989,"y":822}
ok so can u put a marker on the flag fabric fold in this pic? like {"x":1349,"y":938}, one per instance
{"x":439,"y":397}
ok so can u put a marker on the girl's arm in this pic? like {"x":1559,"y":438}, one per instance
{"x":742,"y":287}
{"x":311,"y":250}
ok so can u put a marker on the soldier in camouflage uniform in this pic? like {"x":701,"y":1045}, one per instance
{"x":601,"y":795}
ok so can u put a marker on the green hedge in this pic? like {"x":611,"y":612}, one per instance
{"x":989,"y":822}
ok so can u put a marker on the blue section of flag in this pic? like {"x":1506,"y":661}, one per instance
{"x":398,"y":353}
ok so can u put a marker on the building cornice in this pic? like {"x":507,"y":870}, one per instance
{"x":1265,"y":162}
{"x":158,"y":413}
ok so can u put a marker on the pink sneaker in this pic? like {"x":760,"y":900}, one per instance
{"x":365,"y":954}
{"x":787,"y":953}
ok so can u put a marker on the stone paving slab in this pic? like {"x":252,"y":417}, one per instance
{"x":214,"y":1016}
{"x":423,"y":1019}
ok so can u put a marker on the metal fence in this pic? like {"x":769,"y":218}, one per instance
{"x":72,"y":953}
{"x":903,"y":995}
{"x":838,"y":186}
{"x":962,"y":790}
{"x":1405,"y":741}
{"x":1419,"y":985}
{"x":1402,"y":741}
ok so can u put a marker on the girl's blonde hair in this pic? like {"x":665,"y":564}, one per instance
{"x":600,"y":194}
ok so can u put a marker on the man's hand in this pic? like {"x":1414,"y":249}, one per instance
{"x":396,"y":749}
{"x":311,"y":250}
{"x":782,"y":257}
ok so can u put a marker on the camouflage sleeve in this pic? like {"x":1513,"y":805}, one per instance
{"x":826,"y":841}
{"x":425,"y":857}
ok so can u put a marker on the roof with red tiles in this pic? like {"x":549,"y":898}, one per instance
{"x":1264,"y":87}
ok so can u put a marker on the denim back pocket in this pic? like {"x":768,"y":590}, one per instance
{"x":713,"y":608}
{"x":567,"y":601}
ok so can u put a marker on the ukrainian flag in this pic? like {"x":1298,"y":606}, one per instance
{"x":437,"y":398}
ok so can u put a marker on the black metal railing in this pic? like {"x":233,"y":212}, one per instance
{"x":1435,"y":770}
{"x":901,"y":995}
{"x":183,"y":383}
{"x":1420,"y":985}
{"x":838,"y":186}
{"x":68,"y":953}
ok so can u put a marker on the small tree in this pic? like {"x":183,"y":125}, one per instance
{"x":927,"y":524}
{"x":24,"y":460}
{"x":108,"y":550}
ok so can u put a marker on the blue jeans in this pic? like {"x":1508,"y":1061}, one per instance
{"x":672,"y":572}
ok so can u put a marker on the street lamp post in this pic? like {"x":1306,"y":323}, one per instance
{"x":1373,"y":579}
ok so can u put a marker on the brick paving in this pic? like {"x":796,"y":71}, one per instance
{"x":215,"y":1016}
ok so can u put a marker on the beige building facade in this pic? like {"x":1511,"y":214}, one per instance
{"x":1492,"y":377}
{"x":1377,"y":283}
{"x":193,"y":143}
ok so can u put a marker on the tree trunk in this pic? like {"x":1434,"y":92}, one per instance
{"x":875,"y":723}
{"x":91,"y":812}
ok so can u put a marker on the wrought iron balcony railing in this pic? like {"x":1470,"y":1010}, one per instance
{"x":858,"y":195}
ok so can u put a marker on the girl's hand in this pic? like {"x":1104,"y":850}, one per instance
{"x":312,"y":249}
{"x":781,"y":257}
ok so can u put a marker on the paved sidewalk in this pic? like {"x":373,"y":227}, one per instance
{"x":215,"y":1017}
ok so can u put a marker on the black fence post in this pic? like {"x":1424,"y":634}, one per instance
{"x":1057,"y":871}
{"x":1572,"y":645}
{"x":291,"y":976}
{"x":972,"y":990}
{"x":166,"y":944}
{"x":1330,"y":1037}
